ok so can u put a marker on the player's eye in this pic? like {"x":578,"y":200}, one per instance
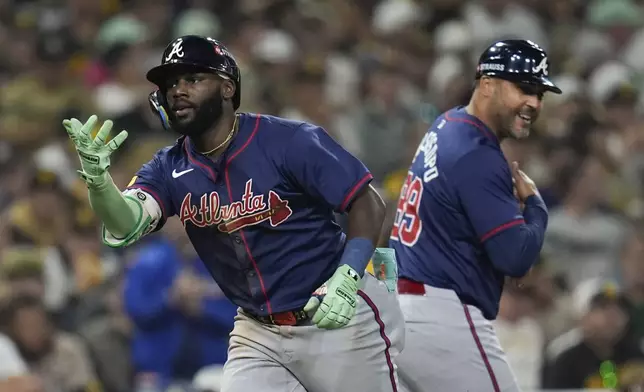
{"x":195,"y":78}
{"x":170,"y":83}
{"x":189,"y":79}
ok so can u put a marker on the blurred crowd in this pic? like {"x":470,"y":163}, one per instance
{"x":76,"y":316}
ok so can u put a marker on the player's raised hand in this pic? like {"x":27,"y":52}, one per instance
{"x":523,"y":184}
{"x":339,"y":304}
{"x":94,"y":152}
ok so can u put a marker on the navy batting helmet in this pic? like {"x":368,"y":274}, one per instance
{"x":192,"y":53}
{"x":518,"y":61}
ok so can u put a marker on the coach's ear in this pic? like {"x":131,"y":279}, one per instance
{"x":487,"y":86}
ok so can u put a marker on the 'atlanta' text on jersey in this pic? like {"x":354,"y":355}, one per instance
{"x":261,"y":216}
{"x":251,"y":210}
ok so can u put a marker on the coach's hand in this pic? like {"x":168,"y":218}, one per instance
{"x":339,"y":303}
{"x":94,"y":153}
{"x":524,"y":185}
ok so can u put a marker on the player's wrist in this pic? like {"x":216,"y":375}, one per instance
{"x":357,"y":253}
{"x":94,"y":181}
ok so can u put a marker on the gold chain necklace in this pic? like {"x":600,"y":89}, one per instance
{"x":230,"y":136}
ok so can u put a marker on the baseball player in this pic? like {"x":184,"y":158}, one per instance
{"x":459,"y":231}
{"x":256,"y":195}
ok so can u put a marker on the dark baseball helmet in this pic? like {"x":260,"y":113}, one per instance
{"x":518,"y":61}
{"x":192,"y":53}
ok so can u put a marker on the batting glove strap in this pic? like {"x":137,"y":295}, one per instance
{"x":93,"y":181}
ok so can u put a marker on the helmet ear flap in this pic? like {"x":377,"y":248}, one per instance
{"x":158,"y":105}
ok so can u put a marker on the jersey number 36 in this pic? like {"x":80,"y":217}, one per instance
{"x":407,"y":225}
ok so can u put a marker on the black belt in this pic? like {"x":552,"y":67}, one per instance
{"x":292,"y":317}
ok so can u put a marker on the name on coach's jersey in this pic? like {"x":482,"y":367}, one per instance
{"x":250,"y":210}
{"x":428,"y":147}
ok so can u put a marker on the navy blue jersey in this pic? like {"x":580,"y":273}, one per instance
{"x":261,"y":217}
{"x":458,"y":194}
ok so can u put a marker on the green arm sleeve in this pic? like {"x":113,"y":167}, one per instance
{"x":120,"y":214}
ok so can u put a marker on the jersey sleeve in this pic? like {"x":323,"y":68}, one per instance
{"x":151,"y":179}
{"x":325,"y":169}
{"x":484,"y":186}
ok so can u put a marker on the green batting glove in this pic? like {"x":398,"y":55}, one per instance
{"x":339,"y":304}
{"x":94,"y":153}
{"x":385,"y":267}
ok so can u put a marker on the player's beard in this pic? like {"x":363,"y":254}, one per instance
{"x":207,"y":114}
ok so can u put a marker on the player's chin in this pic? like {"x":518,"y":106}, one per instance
{"x":183,"y":120}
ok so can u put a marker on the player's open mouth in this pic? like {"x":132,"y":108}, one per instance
{"x":182,"y":112}
{"x":181,"y":108}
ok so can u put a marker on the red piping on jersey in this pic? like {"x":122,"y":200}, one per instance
{"x":485,"y":132}
{"x":241,"y":231}
{"x":196,"y":162}
{"x":154,"y":194}
{"x":486,"y":361}
{"x":383,"y":335}
{"x":501,"y":228}
{"x":352,"y":192}
{"x":252,"y":135}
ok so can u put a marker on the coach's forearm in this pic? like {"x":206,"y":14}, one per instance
{"x":515,"y":250}
{"x":118,"y":214}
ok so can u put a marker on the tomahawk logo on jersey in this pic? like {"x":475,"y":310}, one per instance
{"x":277,"y":177}
{"x":447,"y":211}
{"x":250,"y":210}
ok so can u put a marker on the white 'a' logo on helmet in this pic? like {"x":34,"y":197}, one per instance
{"x":542,"y":66}
{"x":177,"y":50}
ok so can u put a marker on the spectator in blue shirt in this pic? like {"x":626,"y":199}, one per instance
{"x":181,"y":318}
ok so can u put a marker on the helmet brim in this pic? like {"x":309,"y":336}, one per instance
{"x":527,"y":79}
{"x":549,"y":85}
{"x":159,"y":74}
